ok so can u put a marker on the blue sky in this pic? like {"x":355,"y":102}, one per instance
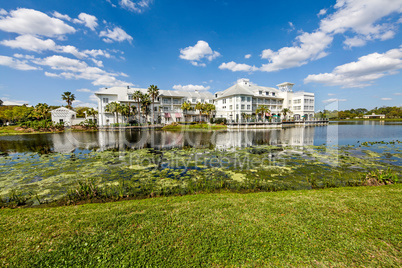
{"x":347,"y":50}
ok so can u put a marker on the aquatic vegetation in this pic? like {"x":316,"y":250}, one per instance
{"x":113,"y":175}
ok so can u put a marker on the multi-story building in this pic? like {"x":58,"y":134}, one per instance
{"x":234,"y":103}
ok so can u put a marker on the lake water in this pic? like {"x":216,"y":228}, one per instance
{"x":337,"y":133}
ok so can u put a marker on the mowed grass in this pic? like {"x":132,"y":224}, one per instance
{"x":342,"y":227}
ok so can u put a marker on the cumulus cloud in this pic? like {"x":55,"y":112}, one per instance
{"x":247,"y":56}
{"x":7,"y":101}
{"x":322,"y":12}
{"x":311,"y":47}
{"x":61,"y":16}
{"x":32,"y":43}
{"x":88,"y":20}
{"x":76,"y":69}
{"x":33,"y":22}
{"x":16,"y":64}
{"x":363,"y":72}
{"x":191,"y":87}
{"x":236,"y":67}
{"x":197,"y":53}
{"x":117,"y":34}
{"x":3,"y":12}
{"x":137,"y":7}
{"x":84,"y":90}
{"x":333,"y":100}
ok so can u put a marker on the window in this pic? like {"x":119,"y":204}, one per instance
{"x":202,"y":100}
{"x":266,"y":101}
{"x":130,"y":97}
{"x":242,"y":106}
{"x":224,"y":101}
{"x":248,"y":107}
{"x":230,"y":107}
{"x":248,"y":99}
{"x":61,"y":120}
{"x":105,"y":100}
{"x":260,"y":92}
{"x":267,"y":93}
{"x":165,"y":109}
{"x":166,"y":101}
{"x":243,"y":98}
{"x":273,"y":93}
{"x":176,"y":101}
{"x":237,"y":106}
{"x":193,"y":100}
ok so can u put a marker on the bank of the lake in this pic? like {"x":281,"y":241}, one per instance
{"x":344,"y":227}
{"x":15,"y":130}
{"x":184,"y":127}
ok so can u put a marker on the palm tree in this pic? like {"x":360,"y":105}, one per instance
{"x":145,"y":102}
{"x":125,"y":111}
{"x":201,"y":108}
{"x":186,"y":106}
{"x":114,"y":108}
{"x":153,"y":92}
{"x":286,"y":111}
{"x":209,"y":109}
{"x":92,"y":112}
{"x":41,"y":111}
{"x":262,"y":110}
{"x":137,"y":96}
{"x":69,"y":98}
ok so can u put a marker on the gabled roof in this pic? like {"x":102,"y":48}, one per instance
{"x":63,"y":110}
{"x":236,"y":90}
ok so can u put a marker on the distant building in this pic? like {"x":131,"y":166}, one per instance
{"x":63,"y":115}
{"x":242,"y":98}
{"x":373,"y":115}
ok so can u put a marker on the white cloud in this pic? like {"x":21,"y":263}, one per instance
{"x":291,"y":25}
{"x":322,"y":12}
{"x":80,"y":103}
{"x":117,"y":34}
{"x":16,"y":64}
{"x":138,"y":7}
{"x":331,"y":94}
{"x":247,"y":56}
{"x":32,"y":43}
{"x":88,"y":20}
{"x":61,"y":16}
{"x":311,"y":47}
{"x":398,"y":94}
{"x":386,"y":99}
{"x":191,"y":87}
{"x":84,"y":90}
{"x":236,"y":67}
{"x":76,"y":69}
{"x":197,"y":53}
{"x":333,"y":100}
{"x":7,"y":101}
{"x":354,"y":42}
{"x":98,"y":63}
{"x":30,"y":21}
{"x":363,"y":72}
{"x":3,"y":12}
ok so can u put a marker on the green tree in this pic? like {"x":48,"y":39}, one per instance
{"x":114,"y":108}
{"x":209,"y":109}
{"x":285,"y":112}
{"x":92,"y":112}
{"x":69,"y":98}
{"x":262,"y":110}
{"x":145,"y":103}
{"x":201,"y":108}
{"x":153,"y":92}
{"x":137,"y":96}
{"x":125,"y":111}
{"x":41,"y":111}
{"x":186,"y":106}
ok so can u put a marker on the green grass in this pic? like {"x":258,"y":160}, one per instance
{"x":342,"y":227}
{"x":370,"y":119}
{"x":194,"y":127}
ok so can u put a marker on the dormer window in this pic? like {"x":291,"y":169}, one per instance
{"x":273,"y":93}
{"x":260,"y":92}
{"x":267,"y":93}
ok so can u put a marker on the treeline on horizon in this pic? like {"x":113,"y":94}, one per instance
{"x":391,"y":112}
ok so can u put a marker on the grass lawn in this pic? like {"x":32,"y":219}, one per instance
{"x":343,"y":227}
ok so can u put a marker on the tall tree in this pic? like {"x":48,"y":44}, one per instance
{"x":153,"y":92}
{"x":209,"y":109}
{"x":186,"y":106}
{"x":69,"y":98}
{"x":201,"y":108}
{"x":125,"y":111}
{"x":145,"y":102}
{"x":286,"y":111}
{"x":41,"y":111}
{"x":137,"y":96}
{"x":92,"y":112}
{"x":114,"y":108}
{"x":262,"y":110}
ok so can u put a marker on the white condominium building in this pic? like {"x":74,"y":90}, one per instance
{"x":234,"y":103}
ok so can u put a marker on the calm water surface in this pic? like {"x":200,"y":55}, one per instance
{"x":338,"y":133}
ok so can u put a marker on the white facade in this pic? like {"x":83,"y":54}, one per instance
{"x":241,"y":99}
{"x":63,"y":115}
